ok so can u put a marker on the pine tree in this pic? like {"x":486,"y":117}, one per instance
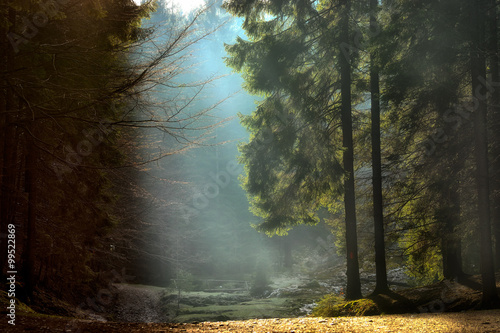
{"x":414,"y":99}
{"x":353,"y":290}
{"x":478,"y":71}
{"x":299,"y":57}
{"x":494,"y":120}
{"x":378,"y":204}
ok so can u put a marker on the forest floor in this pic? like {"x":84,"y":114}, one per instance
{"x":470,"y":321}
{"x":446,"y":306}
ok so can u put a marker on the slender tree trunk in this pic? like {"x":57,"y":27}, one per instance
{"x":449,"y":199}
{"x":378,"y":210}
{"x":8,"y":187}
{"x":452,"y":259}
{"x":3,"y":127}
{"x":30,"y":185}
{"x":353,"y":290}
{"x":495,"y":121}
{"x":478,"y":73}
{"x":451,"y":242}
{"x":287,"y":253}
{"x":8,"y":143}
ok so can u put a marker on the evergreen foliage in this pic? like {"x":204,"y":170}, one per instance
{"x":377,"y":116}
{"x":434,"y":66}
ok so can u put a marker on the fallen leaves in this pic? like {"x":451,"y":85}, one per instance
{"x":470,"y":321}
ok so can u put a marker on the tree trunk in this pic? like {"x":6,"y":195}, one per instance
{"x":451,"y":242}
{"x":378,"y":210}
{"x":8,"y":149}
{"x":31,"y":222}
{"x":287,"y":253}
{"x":353,"y":290}
{"x":478,"y":72}
{"x":495,"y":121}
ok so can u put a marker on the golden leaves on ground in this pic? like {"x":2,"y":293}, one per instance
{"x":470,"y":322}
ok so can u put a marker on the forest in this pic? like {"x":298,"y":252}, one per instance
{"x":221,"y":160}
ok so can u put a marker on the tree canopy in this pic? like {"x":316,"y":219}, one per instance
{"x":313,"y":61}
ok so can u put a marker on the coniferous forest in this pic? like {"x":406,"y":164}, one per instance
{"x":204,"y":161}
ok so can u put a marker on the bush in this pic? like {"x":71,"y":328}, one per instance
{"x":335,"y":306}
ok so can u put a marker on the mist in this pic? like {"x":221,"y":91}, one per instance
{"x":184,"y":165}
{"x":201,"y":227}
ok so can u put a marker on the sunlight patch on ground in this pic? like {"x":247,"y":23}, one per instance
{"x":257,"y":308}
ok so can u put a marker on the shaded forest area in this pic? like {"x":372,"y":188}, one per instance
{"x":377,"y":124}
{"x":79,"y":123}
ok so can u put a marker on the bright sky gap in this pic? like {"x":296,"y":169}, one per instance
{"x":185,"y":6}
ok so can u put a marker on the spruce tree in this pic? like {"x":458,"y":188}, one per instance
{"x":300,"y":156}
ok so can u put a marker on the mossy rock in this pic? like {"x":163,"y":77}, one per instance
{"x":335,"y":306}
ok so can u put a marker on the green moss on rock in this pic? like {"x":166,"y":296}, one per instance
{"x":334,"y":306}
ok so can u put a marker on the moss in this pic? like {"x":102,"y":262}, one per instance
{"x":20,"y":306}
{"x":258,"y":308}
{"x":334,"y":306}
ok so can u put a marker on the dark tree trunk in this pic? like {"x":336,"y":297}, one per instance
{"x":3,"y":138}
{"x":378,"y":212}
{"x":287,"y":253}
{"x":8,"y":144}
{"x":452,"y":258}
{"x":495,"y":121}
{"x":8,"y":185}
{"x":30,"y":186}
{"x":478,"y":72}
{"x":451,"y":242}
{"x":353,"y":290}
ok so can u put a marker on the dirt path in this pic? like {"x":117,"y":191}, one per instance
{"x":136,"y":303}
{"x":471,"y":321}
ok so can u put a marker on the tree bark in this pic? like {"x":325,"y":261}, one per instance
{"x":30,"y":185}
{"x":287,"y":253}
{"x":478,"y":73}
{"x":378,"y":208}
{"x":353,"y":290}
{"x":8,"y":143}
{"x":494,"y":102}
{"x":451,"y":242}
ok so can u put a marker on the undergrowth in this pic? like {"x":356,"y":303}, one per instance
{"x":5,"y":301}
{"x":335,"y":306}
